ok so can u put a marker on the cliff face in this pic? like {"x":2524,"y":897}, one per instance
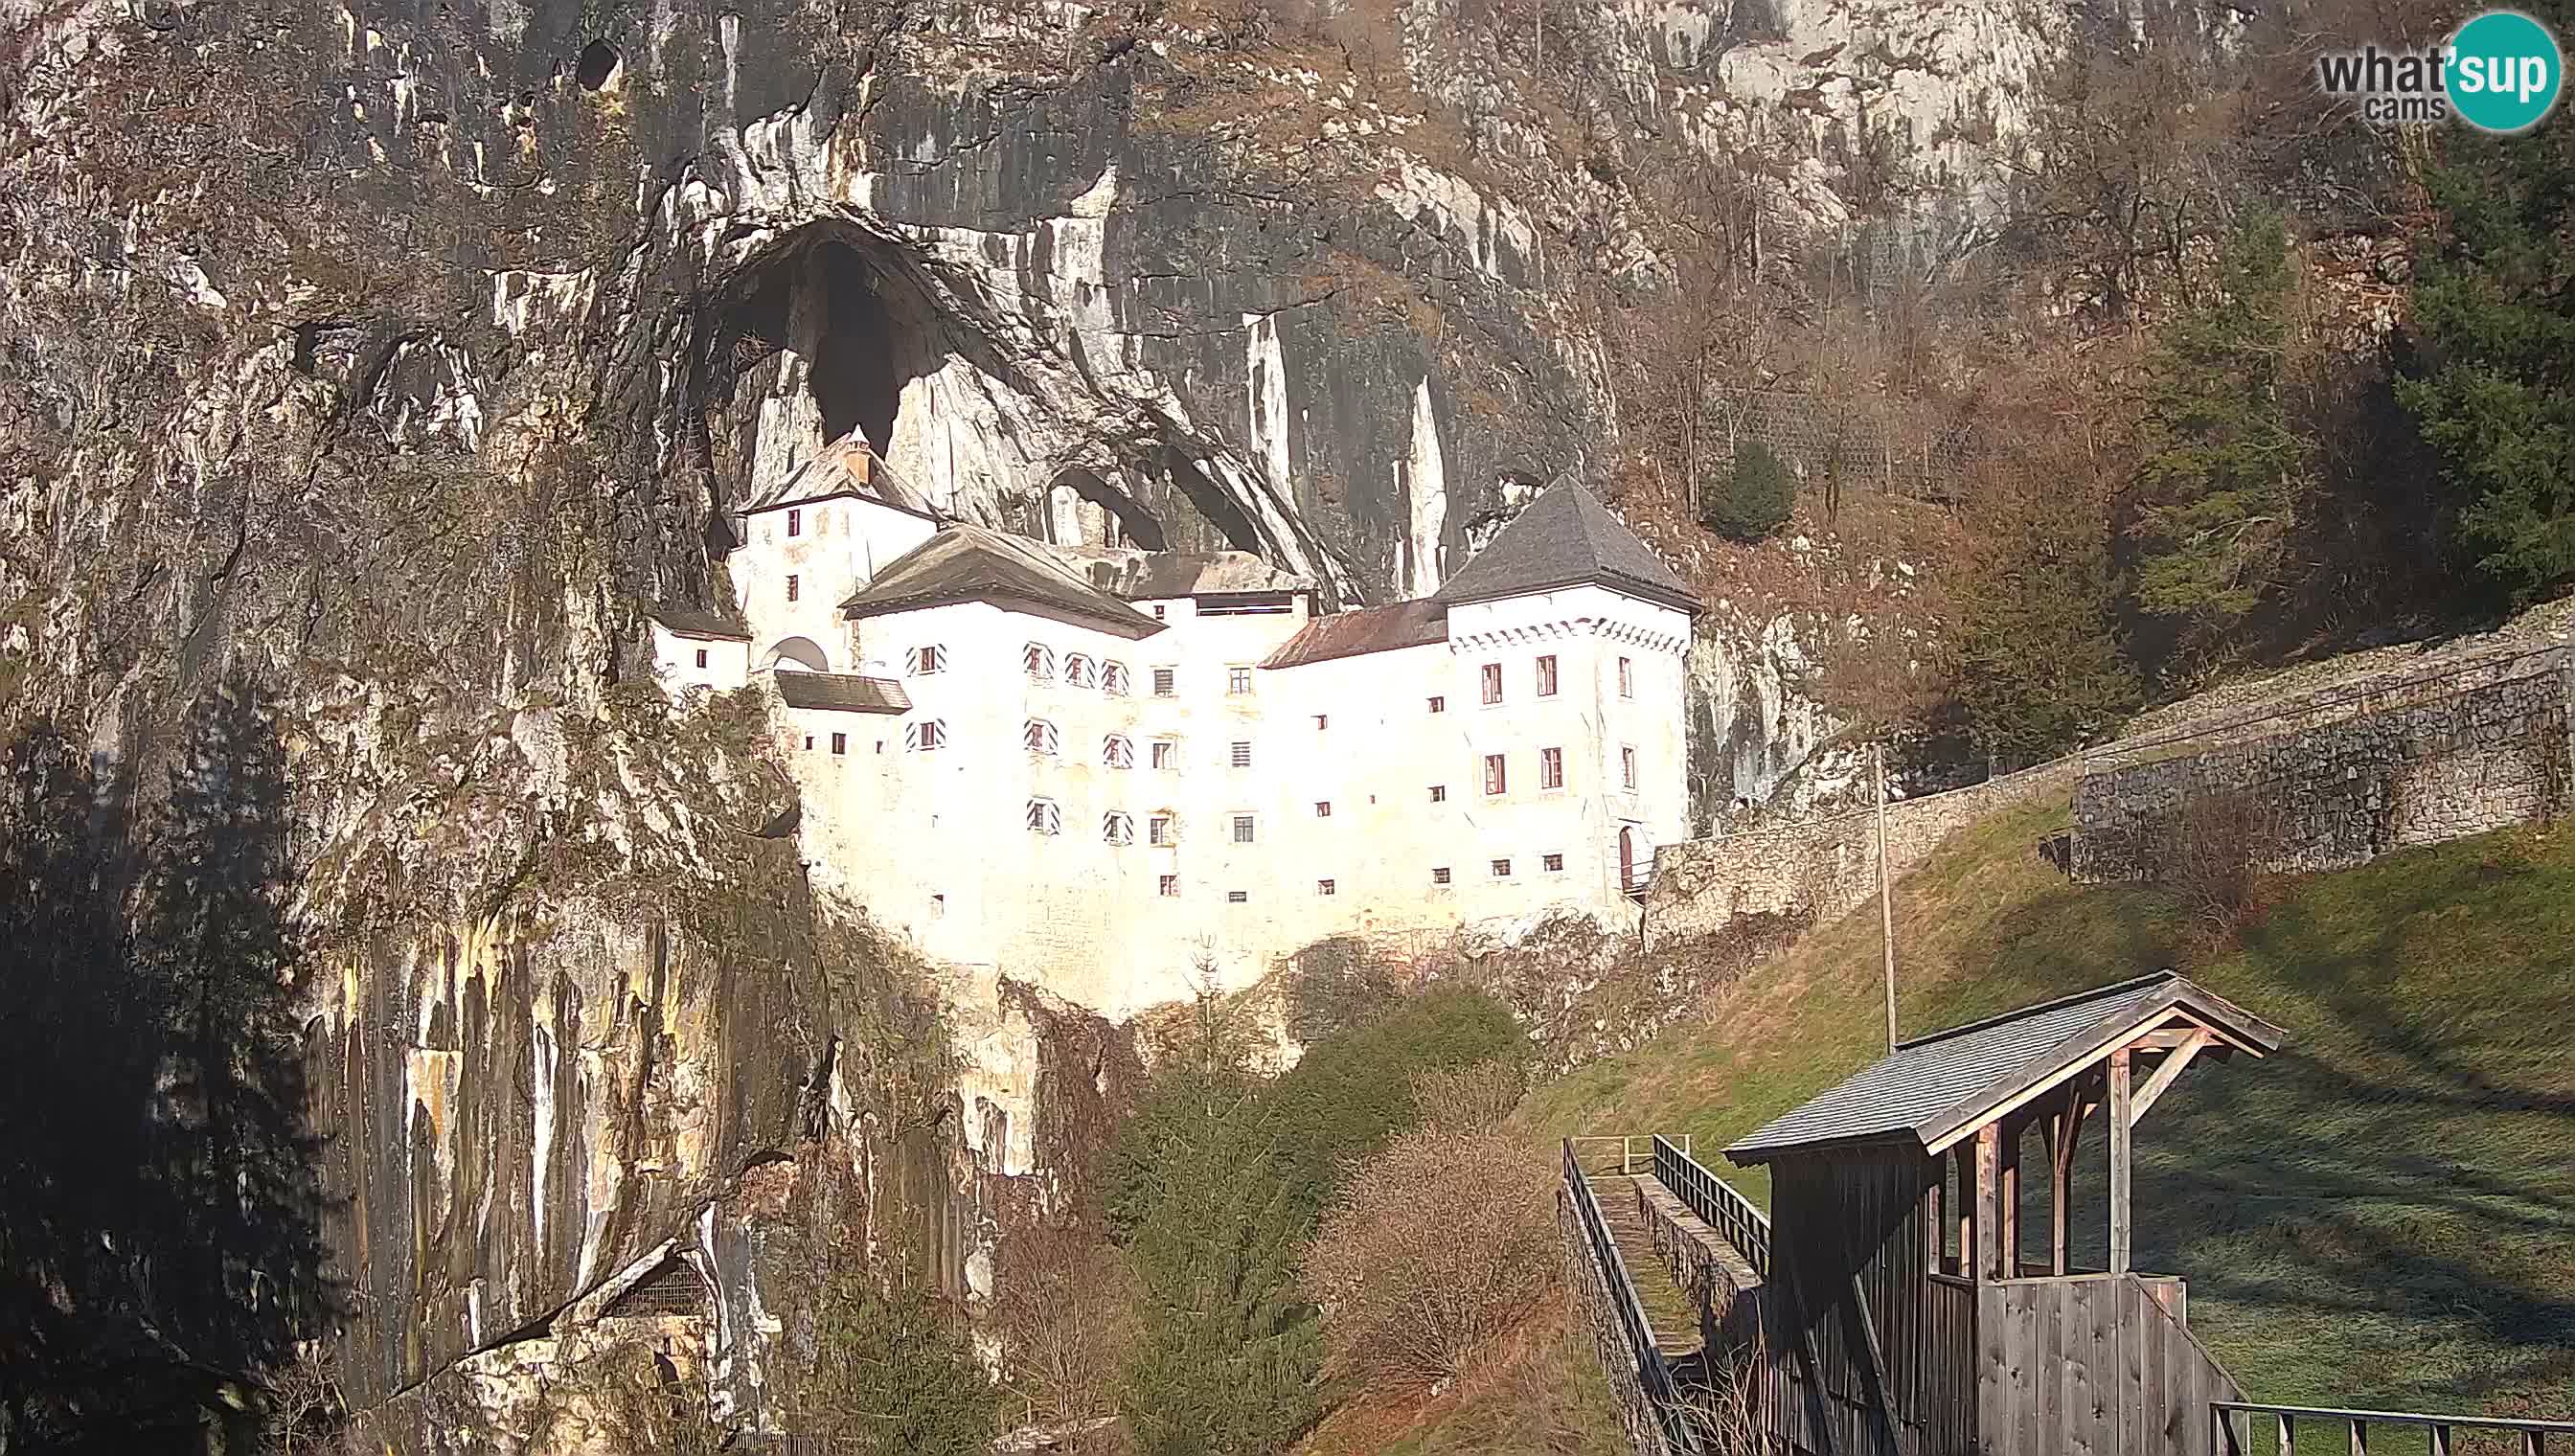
{"x":400,"y":356}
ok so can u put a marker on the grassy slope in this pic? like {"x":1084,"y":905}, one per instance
{"x":2383,"y":1215}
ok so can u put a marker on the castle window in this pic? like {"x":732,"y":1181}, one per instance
{"x":702,"y":656}
{"x":1242,"y":828}
{"x":1162,"y":830}
{"x":1039,"y":736}
{"x":1502,"y":870}
{"x":923,"y":661}
{"x":1117,"y":751}
{"x":1163,"y":684}
{"x":1546,"y":675}
{"x":1555,"y":864}
{"x":1439,"y":704}
{"x":1438,"y":794}
{"x":928,"y":736}
{"x":1321,"y":720}
{"x":1550,"y":768}
{"x":1323,"y":810}
{"x":1112,"y":679}
{"x":1440,"y":876}
{"x":1159,"y":611}
{"x":1492,"y":682}
{"x":1116,"y":828}
{"x":1044,"y":817}
{"x":1495,"y":780}
{"x":1628,"y":767}
{"x":1078,"y":671}
{"x":1241,"y":754}
{"x":809,"y":743}
{"x":1167,"y":753}
{"x":840,"y":743}
{"x":1236,"y":896}
{"x":1168,"y":886}
{"x":1237,"y":680}
{"x":795,"y":523}
{"x":792,"y":591}
{"x":1322,"y":886}
{"x":1038,"y":661}
{"x":1626,"y":678}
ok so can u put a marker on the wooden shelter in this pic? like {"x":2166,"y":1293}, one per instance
{"x":1912,"y":1309}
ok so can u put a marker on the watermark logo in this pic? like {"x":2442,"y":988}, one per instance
{"x":2500,"y":73}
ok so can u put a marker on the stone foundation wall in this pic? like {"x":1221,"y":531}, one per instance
{"x":2330,"y":794}
{"x":1815,"y":870}
{"x":1586,"y":1287}
{"x":1706,"y":1264}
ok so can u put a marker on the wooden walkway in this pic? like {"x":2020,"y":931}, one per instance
{"x":1667,"y":1309}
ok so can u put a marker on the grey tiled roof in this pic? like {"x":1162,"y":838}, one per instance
{"x":843,"y":692}
{"x":1566,"y":537}
{"x":699,"y":622}
{"x":1935,"y":1084}
{"x":970,"y":564}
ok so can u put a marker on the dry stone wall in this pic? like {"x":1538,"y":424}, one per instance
{"x":1595,"y":1310}
{"x":2336,"y":794}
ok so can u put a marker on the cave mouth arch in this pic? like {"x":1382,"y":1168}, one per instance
{"x":1123,"y":520}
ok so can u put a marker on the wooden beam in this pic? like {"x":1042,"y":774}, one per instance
{"x":2060,"y":1190}
{"x":1881,"y":1397}
{"x":1989,"y":1186}
{"x":2013,"y":1133}
{"x":2168,"y":1039}
{"x":2121,"y":1143}
{"x":2174,"y":1063}
{"x":1933,"y":1224}
{"x":1968,"y":1205}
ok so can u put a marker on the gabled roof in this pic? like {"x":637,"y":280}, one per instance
{"x":1369,"y":630}
{"x":1936,"y":1088}
{"x":698,"y":622}
{"x":970,"y":564}
{"x":1566,"y":537}
{"x":846,"y":466}
{"x":843,"y":692}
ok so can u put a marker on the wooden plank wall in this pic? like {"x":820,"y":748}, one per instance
{"x":1863,"y":1347}
{"x":2092,"y":1366}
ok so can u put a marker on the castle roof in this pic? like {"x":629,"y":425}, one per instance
{"x":843,"y":692}
{"x":1369,"y":630}
{"x":970,"y":564}
{"x":846,"y":466}
{"x":698,"y":622}
{"x":1566,"y":537}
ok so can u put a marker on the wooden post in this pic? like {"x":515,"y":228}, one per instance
{"x":2120,"y":1139}
{"x":2061,"y":1179}
{"x":1935,"y":1217}
{"x":2009,"y":1222}
{"x":1885,"y":901}
{"x":1989,"y":1187}
{"x":1967,"y":1265}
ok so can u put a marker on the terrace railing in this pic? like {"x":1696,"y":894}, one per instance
{"x":1714,"y":1201}
{"x":2235,"y":1421}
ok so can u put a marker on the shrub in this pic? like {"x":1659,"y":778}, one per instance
{"x":1469,"y":1098}
{"x":1064,"y":1312}
{"x":2215,"y":854}
{"x":892,"y":1367}
{"x":1440,"y":1245}
{"x":1754,"y":498}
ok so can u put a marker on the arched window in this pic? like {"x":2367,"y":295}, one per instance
{"x":1118,"y":827}
{"x":1112,"y":679}
{"x":924,"y":736}
{"x":1039,"y":736}
{"x":1044,"y":817}
{"x":1037,"y":659}
{"x":1118,"y":751}
{"x":1079,"y":671}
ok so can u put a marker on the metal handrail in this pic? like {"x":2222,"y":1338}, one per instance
{"x":2441,"y":1428}
{"x":1714,"y":1201}
{"x":1651,"y":1371}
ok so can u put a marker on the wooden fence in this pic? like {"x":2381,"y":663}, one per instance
{"x":2093,"y":1363}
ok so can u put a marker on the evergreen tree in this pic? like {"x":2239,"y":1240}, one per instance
{"x":2493,"y":387}
{"x":1231,"y":1357}
{"x":894,"y":1367}
{"x":1754,"y":498}
{"x":2223,"y":468}
{"x":2037,"y":664}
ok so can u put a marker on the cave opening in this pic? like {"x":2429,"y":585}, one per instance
{"x":859,"y":370}
{"x":598,"y":65}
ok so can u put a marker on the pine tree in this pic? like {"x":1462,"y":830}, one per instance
{"x":2223,"y":468}
{"x":2493,"y":387}
{"x":2037,"y":662}
{"x":1754,"y":498}
{"x":1231,"y":1353}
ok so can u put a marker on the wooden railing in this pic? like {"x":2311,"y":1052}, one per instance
{"x":1652,"y":1372}
{"x":2232,"y":1424}
{"x":1714,"y":1201}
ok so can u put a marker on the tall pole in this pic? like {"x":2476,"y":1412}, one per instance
{"x":1885,"y":901}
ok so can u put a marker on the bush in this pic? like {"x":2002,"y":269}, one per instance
{"x":892,"y":1366}
{"x":1064,"y":1312}
{"x":2215,"y":854}
{"x":1469,"y":1098}
{"x":1442,"y":1243}
{"x":1754,"y":498}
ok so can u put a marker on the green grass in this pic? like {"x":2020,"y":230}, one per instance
{"x":2381,"y":1215}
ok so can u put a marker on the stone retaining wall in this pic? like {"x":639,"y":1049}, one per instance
{"x":2330,"y":794}
{"x":1706,"y":1266}
{"x":1586,"y":1287}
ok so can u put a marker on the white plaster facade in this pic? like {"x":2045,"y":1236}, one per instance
{"x":1172,"y":787}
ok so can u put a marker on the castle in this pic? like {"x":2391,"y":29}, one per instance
{"x":1111,"y":766}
